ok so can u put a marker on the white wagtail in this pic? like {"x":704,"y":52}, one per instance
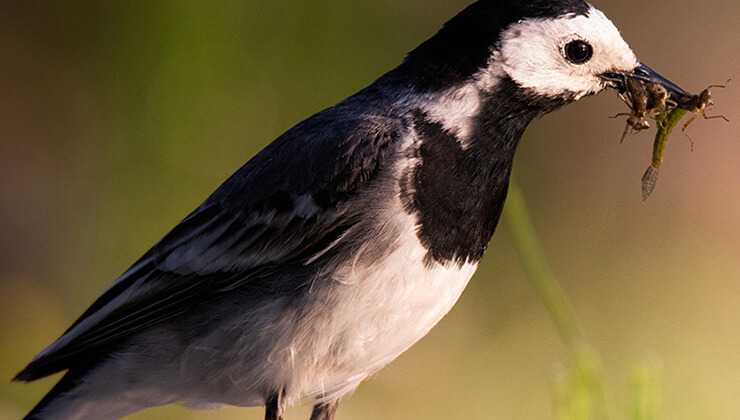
{"x":347,"y":239}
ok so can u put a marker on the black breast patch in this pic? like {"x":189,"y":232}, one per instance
{"x":458,"y":200}
{"x":457,"y":192}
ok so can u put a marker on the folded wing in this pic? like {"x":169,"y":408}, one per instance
{"x":284,"y":208}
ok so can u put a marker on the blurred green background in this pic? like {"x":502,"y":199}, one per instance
{"x":119,"y":117}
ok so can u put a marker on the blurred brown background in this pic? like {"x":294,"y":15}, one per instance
{"x":119,"y":117}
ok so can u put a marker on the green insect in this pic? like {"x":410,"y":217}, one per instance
{"x":666,"y":121}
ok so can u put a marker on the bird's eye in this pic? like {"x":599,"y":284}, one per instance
{"x":578,"y":51}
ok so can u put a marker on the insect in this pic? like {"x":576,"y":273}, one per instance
{"x":637,"y":97}
{"x":659,"y":101}
{"x":666,"y":123}
{"x":667,"y":120}
{"x":700,"y":104}
{"x":646,"y":101}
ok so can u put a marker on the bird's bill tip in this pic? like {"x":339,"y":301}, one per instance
{"x":644,"y":73}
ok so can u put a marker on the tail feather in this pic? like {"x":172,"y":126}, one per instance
{"x":36,"y":370}
{"x":62,"y":389}
{"x":86,"y":393}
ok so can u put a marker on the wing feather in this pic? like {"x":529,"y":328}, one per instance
{"x":283,"y":208}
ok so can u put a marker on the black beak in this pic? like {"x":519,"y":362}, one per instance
{"x":643,"y":73}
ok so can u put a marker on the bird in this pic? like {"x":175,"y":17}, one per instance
{"x":344,"y":241}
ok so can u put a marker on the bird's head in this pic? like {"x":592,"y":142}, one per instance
{"x":559,"y":49}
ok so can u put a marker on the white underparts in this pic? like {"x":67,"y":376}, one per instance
{"x":386,"y":306}
{"x":383,"y":300}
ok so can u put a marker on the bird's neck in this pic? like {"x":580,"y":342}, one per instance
{"x":465,"y":152}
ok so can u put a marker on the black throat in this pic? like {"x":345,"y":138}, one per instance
{"x":457,"y":191}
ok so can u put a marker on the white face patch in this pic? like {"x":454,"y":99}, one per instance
{"x":532,"y":54}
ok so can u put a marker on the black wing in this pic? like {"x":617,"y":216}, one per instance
{"x":284,"y":207}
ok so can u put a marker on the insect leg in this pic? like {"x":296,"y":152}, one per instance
{"x":715,"y":117}
{"x":624,"y":135}
{"x":721,"y":86}
{"x":689,"y":122}
{"x":691,"y":141}
{"x":621,"y":114}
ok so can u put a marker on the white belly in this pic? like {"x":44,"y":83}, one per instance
{"x":376,"y":311}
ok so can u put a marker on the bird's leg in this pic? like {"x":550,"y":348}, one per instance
{"x":325,"y":411}
{"x":274,"y":406}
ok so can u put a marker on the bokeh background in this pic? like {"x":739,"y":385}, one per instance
{"x":119,"y":117}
